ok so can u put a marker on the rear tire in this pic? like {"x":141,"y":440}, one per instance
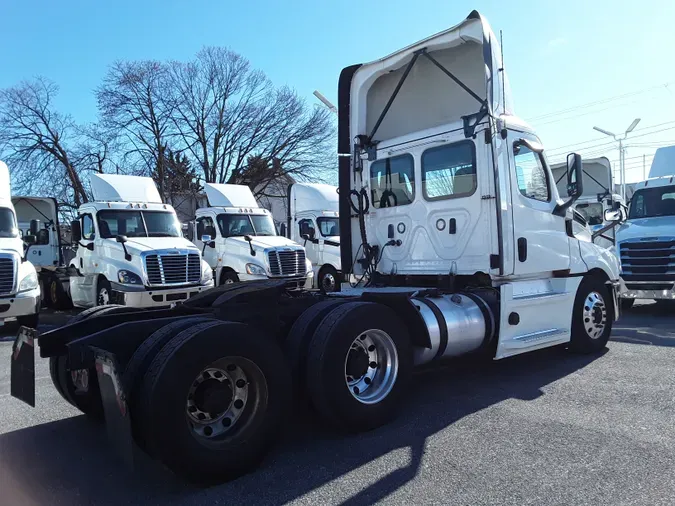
{"x":228,"y":357}
{"x":358,"y":366}
{"x":80,"y":387}
{"x":591,"y":317}
{"x":300,"y":335}
{"x":57,"y":297}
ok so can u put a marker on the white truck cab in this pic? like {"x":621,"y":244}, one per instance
{"x":645,"y":243}
{"x":314,"y":222}
{"x":130,"y":248}
{"x":448,"y":188}
{"x":240,"y":242}
{"x":19,"y":287}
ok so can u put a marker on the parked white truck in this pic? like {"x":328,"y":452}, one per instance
{"x":50,"y":254}
{"x":314,"y":222}
{"x":448,"y":208}
{"x":19,"y":287}
{"x":130,"y":248}
{"x":598,"y":197}
{"x":645,"y":243}
{"x":239,"y":240}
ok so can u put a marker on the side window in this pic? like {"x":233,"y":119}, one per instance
{"x":392,"y":181}
{"x":449,"y":171}
{"x":306,"y":227}
{"x":88,"y":231}
{"x":205,"y":227}
{"x":531,"y":174}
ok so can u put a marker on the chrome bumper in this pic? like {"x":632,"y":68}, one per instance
{"x":648,"y":292}
{"x":143,"y":297}
{"x":615,"y":288}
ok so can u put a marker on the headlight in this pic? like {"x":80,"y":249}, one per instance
{"x":207,"y":272}
{"x":29,"y":282}
{"x":129,"y":278}
{"x":255,"y":269}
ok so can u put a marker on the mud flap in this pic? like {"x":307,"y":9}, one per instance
{"x":115,"y":408}
{"x":23,"y":366}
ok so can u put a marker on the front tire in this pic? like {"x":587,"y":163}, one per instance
{"x":329,"y":279}
{"x":103,"y":292}
{"x":358,"y":366}
{"x":229,"y":278}
{"x":58,"y":298}
{"x":592,"y":316}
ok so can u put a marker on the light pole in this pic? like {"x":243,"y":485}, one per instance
{"x":622,"y":156}
{"x":325,"y":102}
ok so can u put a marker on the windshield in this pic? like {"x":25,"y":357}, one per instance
{"x":651,"y":202}
{"x":8,"y":223}
{"x":329,"y":226}
{"x":138,"y":224}
{"x":237,"y":225}
{"x":592,"y":213}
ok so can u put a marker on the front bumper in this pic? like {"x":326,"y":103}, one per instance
{"x":149,"y":297}
{"x":647,"y":290}
{"x":614,"y":289}
{"x":305,"y":282}
{"x":22,"y":304}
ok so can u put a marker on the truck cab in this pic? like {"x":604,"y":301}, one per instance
{"x":313,"y":221}
{"x":645,"y":243}
{"x":240,"y":241}
{"x":19,"y":287}
{"x":130,"y":248}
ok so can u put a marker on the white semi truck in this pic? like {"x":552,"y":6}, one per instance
{"x":130,"y":248}
{"x":239,"y":240}
{"x":19,"y":287}
{"x":448,"y":208}
{"x":313,"y":221}
{"x":598,"y":197}
{"x":50,"y":253}
{"x":645,"y":243}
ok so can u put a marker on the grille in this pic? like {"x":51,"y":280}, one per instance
{"x":648,"y":260}
{"x":287,"y":263}
{"x":173,"y":269}
{"x":6,"y":276}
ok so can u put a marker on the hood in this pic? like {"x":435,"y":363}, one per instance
{"x":265,"y":241}
{"x":137,"y":245}
{"x":12,"y":246}
{"x":643,"y":228}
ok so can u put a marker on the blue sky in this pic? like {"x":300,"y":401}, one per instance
{"x":558,"y":55}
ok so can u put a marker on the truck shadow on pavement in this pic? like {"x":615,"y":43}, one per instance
{"x":70,"y":461}
{"x":647,"y":324}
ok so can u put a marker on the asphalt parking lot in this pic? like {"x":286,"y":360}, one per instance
{"x":543,"y":428}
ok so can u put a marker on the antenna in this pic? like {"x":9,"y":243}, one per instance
{"x":501,"y":49}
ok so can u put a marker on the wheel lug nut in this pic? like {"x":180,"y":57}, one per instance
{"x":373,"y":365}
{"x":367,"y":381}
{"x":238,"y":404}
{"x":241,"y":383}
{"x":371,"y":348}
{"x":227,"y":422}
{"x":208,"y":431}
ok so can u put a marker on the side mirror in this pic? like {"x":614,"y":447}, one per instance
{"x":614,"y":215}
{"x":248,"y":238}
{"x":30,"y":239}
{"x":575,"y":182}
{"x":89,"y":246}
{"x":34,"y":227}
{"x":75,"y":231}
{"x":206,"y":238}
{"x":305,"y":237}
{"x":282,"y":230}
{"x":121,"y":238}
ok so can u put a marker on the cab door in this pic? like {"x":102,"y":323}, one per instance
{"x":205,"y":226}
{"x":83,"y":285}
{"x":540,"y":238}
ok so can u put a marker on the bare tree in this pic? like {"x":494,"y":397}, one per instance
{"x":35,"y":142}
{"x":239,"y":129}
{"x":132,"y":104}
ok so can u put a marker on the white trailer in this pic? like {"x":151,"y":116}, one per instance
{"x":239,"y":240}
{"x":447,"y":207}
{"x":130,"y":248}
{"x":313,"y":221}
{"x":19,"y":286}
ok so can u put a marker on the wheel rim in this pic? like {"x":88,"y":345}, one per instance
{"x":80,"y":379}
{"x":224,"y":398}
{"x":229,"y":281}
{"x":103,"y":297}
{"x":371,"y":366}
{"x":594,"y":315}
{"x":328,"y":282}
